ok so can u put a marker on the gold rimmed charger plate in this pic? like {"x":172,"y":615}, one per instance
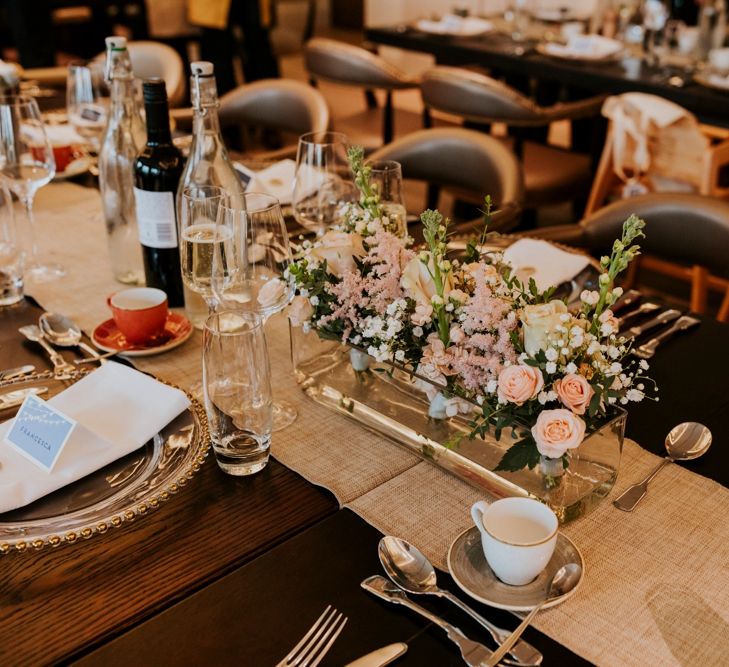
{"x":472,"y":574}
{"x":113,"y":496}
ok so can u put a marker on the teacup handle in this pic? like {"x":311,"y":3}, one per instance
{"x":109,"y":298}
{"x":477,"y":511}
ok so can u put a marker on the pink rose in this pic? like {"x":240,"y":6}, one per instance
{"x":519,"y":383}
{"x":300,"y":310}
{"x":556,"y":431}
{"x":575,"y":392}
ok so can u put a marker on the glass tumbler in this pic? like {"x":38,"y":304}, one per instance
{"x":386,"y":180}
{"x":237,"y":388}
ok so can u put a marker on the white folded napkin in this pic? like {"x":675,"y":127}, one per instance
{"x":450,"y":24}
{"x":276,"y":180}
{"x":719,"y":80}
{"x":587,"y":47}
{"x":117,"y":410}
{"x":547,"y":264}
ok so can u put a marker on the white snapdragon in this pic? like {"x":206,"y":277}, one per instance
{"x":590,"y":297}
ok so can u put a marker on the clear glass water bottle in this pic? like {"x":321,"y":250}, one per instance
{"x":208,"y":163}
{"x":124,"y":137}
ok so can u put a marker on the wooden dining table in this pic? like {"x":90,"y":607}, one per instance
{"x":498,"y":52}
{"x":234,"y":570}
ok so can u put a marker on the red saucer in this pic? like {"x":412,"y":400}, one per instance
{"x":177,"y":330}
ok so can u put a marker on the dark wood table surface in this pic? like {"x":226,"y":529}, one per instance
{"x":233,"y":571}
{"x":499,"y":52}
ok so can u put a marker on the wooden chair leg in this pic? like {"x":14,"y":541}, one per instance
{"x":387,"y":119}
{"x":427,"y":118}
{"x":370,"y":99}
{"x":699,"y":289}
{"x":723,"y":315}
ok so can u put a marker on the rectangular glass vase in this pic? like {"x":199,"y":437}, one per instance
{"x":386,"y":400}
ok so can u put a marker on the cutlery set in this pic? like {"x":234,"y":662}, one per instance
{"x":631,"y":309}
{"x":56,"y":330}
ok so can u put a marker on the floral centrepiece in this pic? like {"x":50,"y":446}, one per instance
{"x":478,"y":341}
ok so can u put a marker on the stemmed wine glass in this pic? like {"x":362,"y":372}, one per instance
{"x":87,"y":103}
{"x":26,"y":165}
{"x":386,"y":181}
{"x":323,"y":180}
{"x":250,"y":263}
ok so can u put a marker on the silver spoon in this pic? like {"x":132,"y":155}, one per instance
{"x":408,"y":567}
{"x":564,"y":580}
{"x":64,"y":332}
{"x":60,"y":366}
{"x":684,"y":442}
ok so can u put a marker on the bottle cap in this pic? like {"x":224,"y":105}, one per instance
{"x":154,"y":90}
{"x":201,"y":68}
{"x":116,"y":43}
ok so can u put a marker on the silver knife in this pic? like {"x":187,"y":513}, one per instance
{"x":19,"y":371}
{"x":12,"y":399}
{"x":382,"y":656}
{"x":664,"y":318}
{"x":647,"y":350}
{"x":473,"y":653}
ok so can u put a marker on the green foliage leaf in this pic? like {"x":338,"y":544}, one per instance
{"x":522,"y":454}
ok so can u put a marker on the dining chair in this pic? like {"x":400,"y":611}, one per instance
{"x":465,"y":161}
{"x":346,"y":64}
{"x":687,"y":237}
{"x":283,"y":105}
{"x":654,"y":145}
{"x":551,"y":174}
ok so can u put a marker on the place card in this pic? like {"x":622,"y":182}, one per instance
{"x":40,"y":432}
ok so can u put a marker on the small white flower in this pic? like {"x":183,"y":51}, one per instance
{"x":565,"y":351}
{"x":615,"y":368}
{"x":571,"y":367}
{"x":304,"y":292}
{"x":565,"y":317}
{"x":400,"y":355}
{"x":480,"y":399}
{"x":589,"y":297}
{"x":417,"y":332}
{"x":314,"y":301}
{"x":449,"y":307}
{"x":551,"y":367}
{"x":542,"y":397}
{"x":492,"y":386}
{"x":643,"y":364}
{"x":551,"y":354}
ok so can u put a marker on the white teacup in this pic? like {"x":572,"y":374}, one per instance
{"x":719,"y":59}
{"x":571,"y":30}
{"x":518,"y":537}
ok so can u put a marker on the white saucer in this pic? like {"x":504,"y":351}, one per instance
{"x":471,"y":572}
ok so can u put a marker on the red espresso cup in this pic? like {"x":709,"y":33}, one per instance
{"x":140,"y":313}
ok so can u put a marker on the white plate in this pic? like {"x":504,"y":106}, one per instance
{"x":471,"y":572}
{"x":458,"y":26}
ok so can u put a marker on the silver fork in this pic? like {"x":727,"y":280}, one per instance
{"x":315,"y":644}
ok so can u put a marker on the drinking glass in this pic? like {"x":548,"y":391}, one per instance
{"x":198,"y":236}
{"x":87,"y":103}
{"x":26,"y":165}
{"x":237,"y":386}
{"x":386,"y":180}
{"x":250,"y":267}
{"x":11,"y":256}
{"x":323,"y":181}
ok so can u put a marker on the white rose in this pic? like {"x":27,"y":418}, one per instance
{"x":418,"y":282}
{"x":271,"y":292}
{"x":539,"y":322}
{"x":339,"y":250}
{"x":300,"y":311}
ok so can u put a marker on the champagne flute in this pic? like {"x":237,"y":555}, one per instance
{"x":199,"y":234}
{"x":26,"y":165}
{"x":87,"y":103}
{"x":323,"y":181}
{"x":250,"y":267}
{"x":386,"y":181}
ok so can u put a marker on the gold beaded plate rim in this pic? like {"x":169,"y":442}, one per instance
{"x":176,"y":479}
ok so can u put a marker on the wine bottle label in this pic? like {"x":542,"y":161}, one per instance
{"x":156,"y":218}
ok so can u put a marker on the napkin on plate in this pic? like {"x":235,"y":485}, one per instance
{"x":117,"y":410}
{"x":450,"y":24}
{"x":547,"y":264}
{"x":586,"y":47}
